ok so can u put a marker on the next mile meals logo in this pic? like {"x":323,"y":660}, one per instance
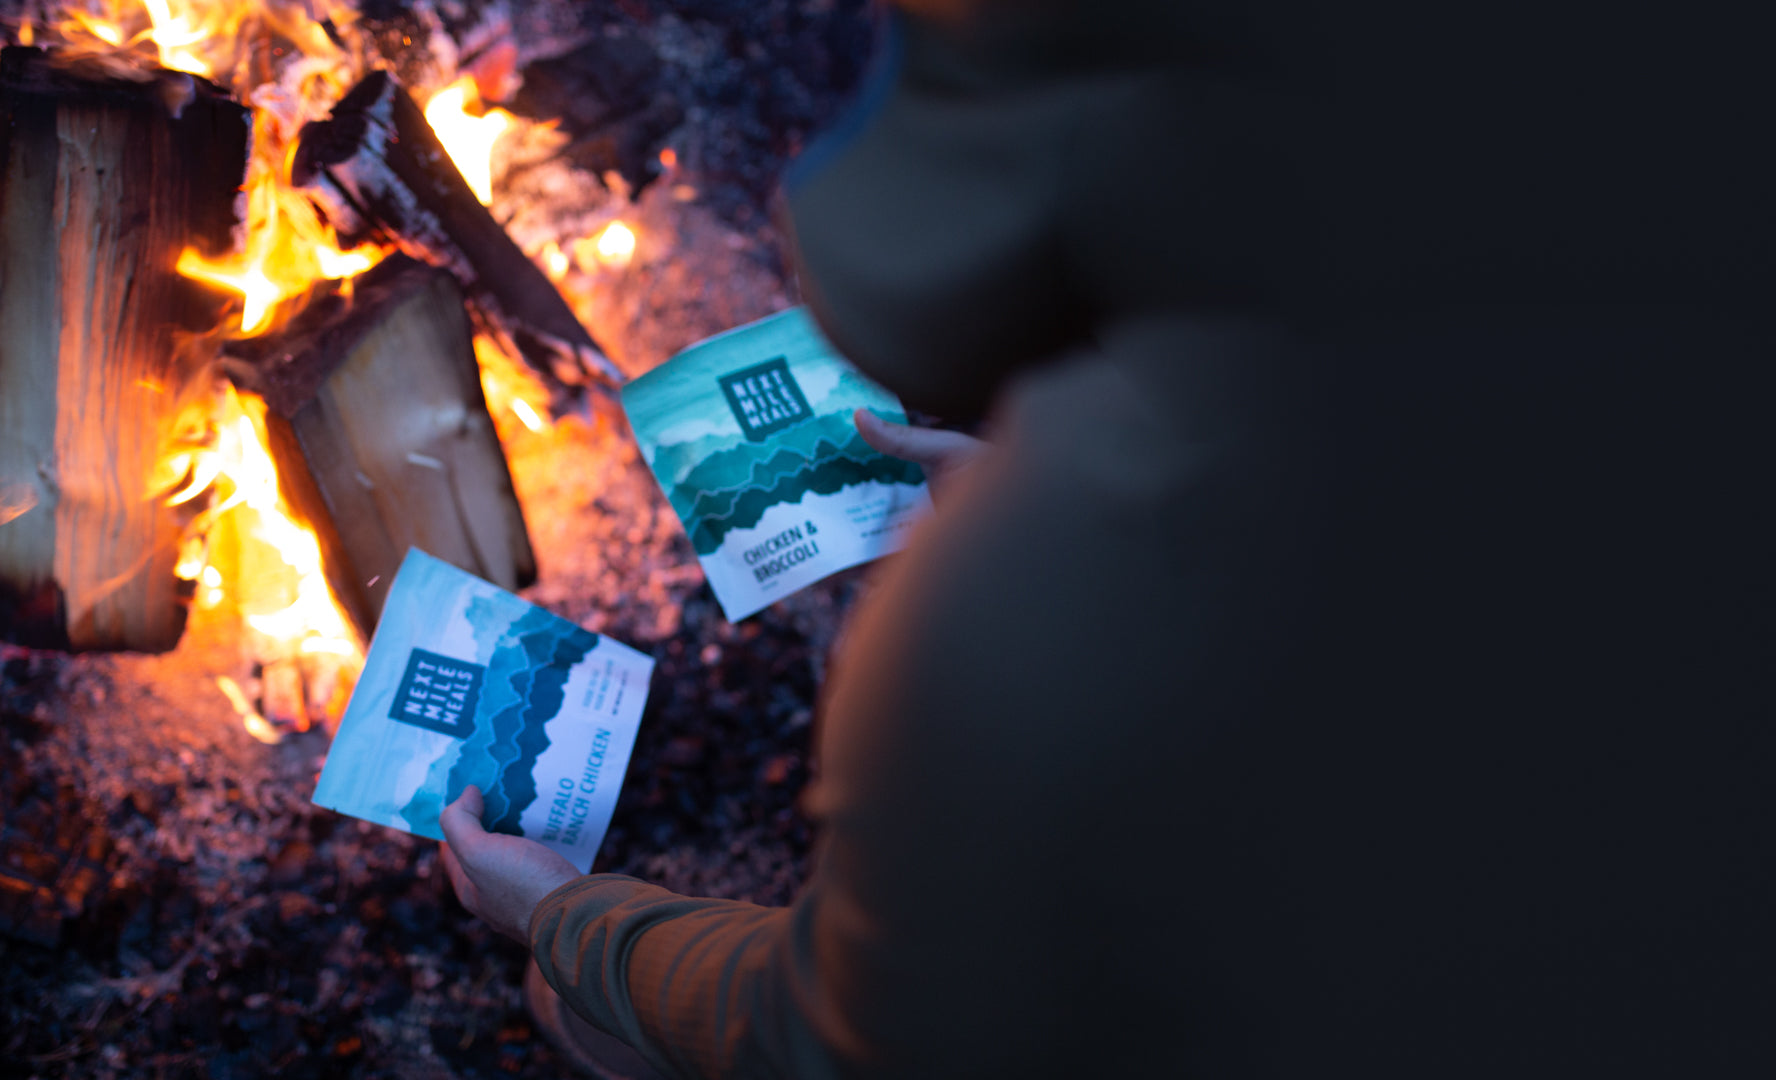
{"x":439,"y":694}
{"x":765,"y":398}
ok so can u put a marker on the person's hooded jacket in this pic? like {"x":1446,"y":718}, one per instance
{"x":1355,"y":656}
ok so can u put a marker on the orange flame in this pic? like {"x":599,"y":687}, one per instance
{"x":107,"y":32}
{"x":211,"y":38}
{"x":510,"y":387}
{"x":269,"y":569}
{"x":248,"y":548}
{"x":468,"y":138}
{"x":171,"y":36}
{"x":239,"y":463}
{"x":288,"y":250}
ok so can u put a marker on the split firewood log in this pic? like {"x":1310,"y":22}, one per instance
{"x":378,"y":172}
{"x":103,"y":182}
{"x":382,"y":437}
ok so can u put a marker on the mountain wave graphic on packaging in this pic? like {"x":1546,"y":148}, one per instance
{"x":732,"y":489}
{"x":733,"y":467}
{"x":525,"y":688}
{"x":792,"y":479}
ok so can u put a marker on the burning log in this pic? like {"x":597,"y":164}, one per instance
{"x":103,"y":182}
{"x":379,"y":172}
{"x":382,"y":438}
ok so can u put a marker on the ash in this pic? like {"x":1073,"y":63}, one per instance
{"x":171,"y":903}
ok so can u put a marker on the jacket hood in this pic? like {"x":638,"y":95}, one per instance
{"x":1006,"y":184}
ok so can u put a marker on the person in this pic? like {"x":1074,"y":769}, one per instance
{"x":1354,"y":653}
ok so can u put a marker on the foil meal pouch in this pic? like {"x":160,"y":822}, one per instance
{"x":750,"y":434}
{"x":467,"y":684}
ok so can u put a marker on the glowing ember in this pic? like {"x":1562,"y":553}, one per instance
{"x":257,"y":726}
{"x":212,"y":582}
{"x":468,"y":138}
{"x":528,"y":415}
{"x":613,"y":247}
{"x":616,"y":245}
{"x":555,"y":261}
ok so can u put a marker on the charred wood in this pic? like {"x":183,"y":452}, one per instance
{"x":102,"y":183}
{"x":379,"y":172}
{"x":381,"y":434}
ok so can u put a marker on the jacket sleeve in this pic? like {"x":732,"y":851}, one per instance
{"x":699,"y":987}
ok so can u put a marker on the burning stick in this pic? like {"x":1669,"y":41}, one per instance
{"x":382,"y":438}
{"x":102,"y":183}
{"x":379,"y":171}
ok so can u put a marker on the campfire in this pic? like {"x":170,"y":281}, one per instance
{"x":322,"y":402}
{"x":286,"y":287}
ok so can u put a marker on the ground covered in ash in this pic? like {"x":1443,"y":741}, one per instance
{"x":175,"y":906}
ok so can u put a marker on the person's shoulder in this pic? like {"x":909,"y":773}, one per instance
{"x":1128,"y":508}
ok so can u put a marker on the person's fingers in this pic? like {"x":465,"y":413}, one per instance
{"x":874,"y":431}
{"x":924,"y":446}
{"x":461,"y":822}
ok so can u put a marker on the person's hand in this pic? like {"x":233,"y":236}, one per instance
{"x":942,"y":454}
{"x":499,"y":878}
